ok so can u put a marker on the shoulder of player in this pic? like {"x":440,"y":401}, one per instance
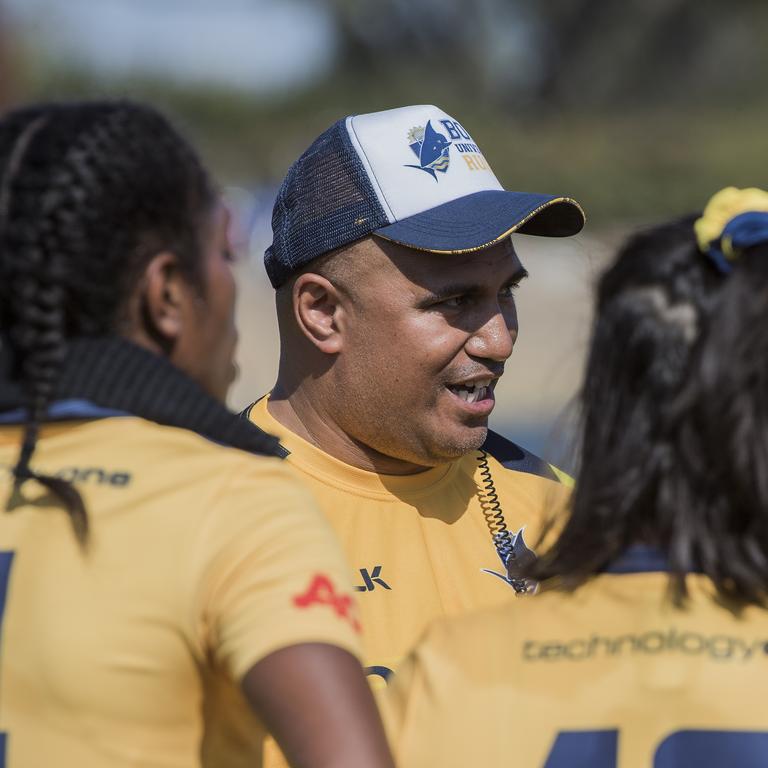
{"x":182,"y":450}
{"x":514,"y":457}
{"x":138,"y":431}
{"x":239,"y":500}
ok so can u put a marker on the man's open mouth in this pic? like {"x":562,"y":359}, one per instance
{"x":471,"y":392}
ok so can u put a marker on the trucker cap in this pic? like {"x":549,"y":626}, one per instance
{"x":412,"y":175}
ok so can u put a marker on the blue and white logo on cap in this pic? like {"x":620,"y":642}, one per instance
{"x":431,"y":148}
{"x":387,"y":144}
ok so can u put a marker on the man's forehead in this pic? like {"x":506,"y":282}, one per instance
{"x":496,"y":263}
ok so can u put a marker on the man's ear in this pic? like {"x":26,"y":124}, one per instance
{"x":163,"y":300}
{"x":319,"y":312}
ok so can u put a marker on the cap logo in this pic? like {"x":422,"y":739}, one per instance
{"x":431,"y":148}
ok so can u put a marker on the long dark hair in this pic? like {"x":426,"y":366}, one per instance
{"x":89,"y":193}
{"x":674,"y":409}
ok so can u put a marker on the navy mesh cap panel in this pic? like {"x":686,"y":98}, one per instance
{"x":325,"y":201}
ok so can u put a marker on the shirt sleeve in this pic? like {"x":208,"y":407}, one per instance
{"x":270,"y":572}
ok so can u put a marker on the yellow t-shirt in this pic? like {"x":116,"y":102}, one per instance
{"x":419,"y":545}
{"x":201,"y":561}
{"x":611,"y":676}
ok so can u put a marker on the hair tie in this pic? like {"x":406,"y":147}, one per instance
{"x":733,"y":220}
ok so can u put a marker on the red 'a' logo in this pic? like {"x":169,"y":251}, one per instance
{"x":322,"y":592}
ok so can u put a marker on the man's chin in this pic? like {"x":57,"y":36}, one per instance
{"x":453,"y":444}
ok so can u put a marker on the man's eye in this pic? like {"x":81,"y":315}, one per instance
{"x":509,"y":291}
{"x":454,"y":302}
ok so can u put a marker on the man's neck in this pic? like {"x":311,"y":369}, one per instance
{"x":298,"y":413}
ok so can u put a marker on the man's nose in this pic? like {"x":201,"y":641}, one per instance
{"x":494,"y":340}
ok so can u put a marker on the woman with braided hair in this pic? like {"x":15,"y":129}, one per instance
{"x":167,"y":591}
{"x":647,"y":644}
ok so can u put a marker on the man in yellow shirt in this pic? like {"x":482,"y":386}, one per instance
{"x":168,"y":591}
{"x":395,"y":274}
{"x":648,"y":643}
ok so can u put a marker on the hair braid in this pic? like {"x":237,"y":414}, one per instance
{"x":38,"y":333}
{"x":89,"y":193}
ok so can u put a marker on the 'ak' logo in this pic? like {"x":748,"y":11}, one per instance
{"x":431,"y":148}
{"x":370,"y":580}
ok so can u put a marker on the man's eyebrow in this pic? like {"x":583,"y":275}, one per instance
{"x":456,"y":289}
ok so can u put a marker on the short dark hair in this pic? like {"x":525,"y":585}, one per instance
{"x":89,"y":193}
{"x":674,"y":411}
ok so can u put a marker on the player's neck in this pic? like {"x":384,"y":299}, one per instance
{"x":302,"y":413}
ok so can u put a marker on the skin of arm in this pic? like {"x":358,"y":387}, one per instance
{"x":314,"y":699}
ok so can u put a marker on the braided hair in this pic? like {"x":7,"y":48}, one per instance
{"x":89,"y":193}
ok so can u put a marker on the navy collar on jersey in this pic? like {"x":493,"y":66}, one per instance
{"x":641,"y":558}
{"x":110,"y":376}
{"x":513,"y":456}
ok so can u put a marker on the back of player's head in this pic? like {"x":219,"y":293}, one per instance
{"x":89,"y":193}
{"x":674,"y":443}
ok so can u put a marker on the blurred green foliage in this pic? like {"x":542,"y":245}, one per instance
{"x":625,"y":164}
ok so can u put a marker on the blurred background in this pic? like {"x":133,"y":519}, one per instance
{"x":638,"y":109}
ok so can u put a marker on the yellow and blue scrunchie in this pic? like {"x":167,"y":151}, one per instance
{"x":733,"y":220}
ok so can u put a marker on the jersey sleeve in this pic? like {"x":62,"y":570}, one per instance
{"x":270,"y":572}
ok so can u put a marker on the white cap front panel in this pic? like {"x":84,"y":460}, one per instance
{"x":418,"y":158}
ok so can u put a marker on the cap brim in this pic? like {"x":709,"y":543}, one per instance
{"x":482,"y":219}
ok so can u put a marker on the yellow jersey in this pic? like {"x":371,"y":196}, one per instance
{"x":610,"y":676}
{"x":422,"y":546}
{"x":201,"y":560}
